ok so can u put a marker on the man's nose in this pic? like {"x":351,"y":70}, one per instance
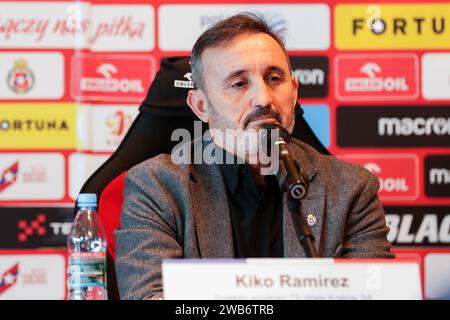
{"x":261,"y":94}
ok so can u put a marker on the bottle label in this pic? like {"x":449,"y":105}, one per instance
{"x":87,"y":271}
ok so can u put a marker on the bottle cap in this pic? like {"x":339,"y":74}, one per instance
{"x":87,"y":200}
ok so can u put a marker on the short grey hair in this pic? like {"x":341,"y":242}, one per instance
{"x":223,"y":32}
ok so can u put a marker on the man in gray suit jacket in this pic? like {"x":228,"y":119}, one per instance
{"x":175,"y":209}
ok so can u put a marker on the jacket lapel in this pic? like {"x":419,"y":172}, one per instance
{"x":312,"y":204}
{"x":211,"y":211}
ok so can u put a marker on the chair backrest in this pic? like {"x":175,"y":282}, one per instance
{"x":163,"y":111}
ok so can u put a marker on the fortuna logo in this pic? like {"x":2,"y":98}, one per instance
{"x":9,"y":176}
{"x":183,"y":83}
{"x":398,"y":25}
{"x":30,"y":125}
{"x":119,"y":122}
{"x":9,"y":278}
{"x":417,"y":126}
{"x":110,"y":84}
{"x":372,"y":83}
{"x":20,"y":78}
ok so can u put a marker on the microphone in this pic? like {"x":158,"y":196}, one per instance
{"x":290,"y":171}
{"x":296,"y":187}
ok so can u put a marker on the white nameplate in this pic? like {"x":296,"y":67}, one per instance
{"x":293,"y":279}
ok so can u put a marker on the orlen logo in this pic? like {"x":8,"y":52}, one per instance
{"x":119,"y":122}
{"x":377,"y":77}
{"x":9,"y":176}
{"x":112,"y":78}
{"x":398,"y":174}
{"x":109,"y":83}
{"x":188,"y":83}
{"x":397,"y":184}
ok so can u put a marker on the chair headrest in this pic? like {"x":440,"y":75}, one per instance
{"x":168,"y":91}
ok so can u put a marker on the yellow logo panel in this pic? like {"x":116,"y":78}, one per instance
{"x":37,"y":126}
{"x":392,"y":26}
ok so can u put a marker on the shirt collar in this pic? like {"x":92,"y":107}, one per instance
{"x":230,"y":170}
{"x":234,"y":171}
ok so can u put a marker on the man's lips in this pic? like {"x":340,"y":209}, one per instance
{"x":264,"y":119}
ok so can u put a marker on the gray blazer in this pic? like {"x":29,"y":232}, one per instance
{"x":181,"y":211}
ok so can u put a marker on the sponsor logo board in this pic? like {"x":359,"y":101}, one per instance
{"x":32,"y":277}
{"x":437,"y":277}
{"x":392,"y":26}
{"x":303,"y":26}
{"x":101,"y":128}
{"x":26,"y":75}
{"x":312,"y":75}
{"x":398,"y":174}
{"x":37,"y":126}
{"x":31,"y":176}
{"x":418,"y":226}
{"x":436,"y":76}
{"x":34,"y":227}
{"x":437,"y":175}
{"x":377,"y":77}
{"x":127,"y":27}
{"x":81,"y":166}
{"x":111,"y":77}
{"x":318,"y":118}
{"x":393,"y":126}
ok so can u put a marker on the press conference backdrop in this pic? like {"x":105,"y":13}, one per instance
{"x":374,"y":84}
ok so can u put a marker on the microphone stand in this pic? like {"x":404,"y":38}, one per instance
{"x":296,"y":190}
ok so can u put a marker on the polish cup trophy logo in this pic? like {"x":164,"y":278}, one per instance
{"x":20,"y":78}
{"x":119,"y":123}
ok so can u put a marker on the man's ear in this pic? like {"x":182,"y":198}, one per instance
{"x":295,"y":89}
{"x":196,"y":100}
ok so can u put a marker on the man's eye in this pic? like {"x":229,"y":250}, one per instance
{"x":238,"y":84}
{"x":274,"y":78}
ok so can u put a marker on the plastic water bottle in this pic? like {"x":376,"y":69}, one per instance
{"x":86,"y":243}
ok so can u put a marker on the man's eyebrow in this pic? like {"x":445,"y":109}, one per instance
{"x":234,"y":74}
{"x":240,"y":72}
{"x":276,"y":69}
